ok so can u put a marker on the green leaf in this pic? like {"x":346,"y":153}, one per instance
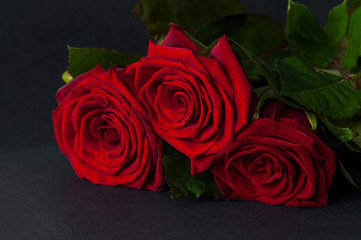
{"x":179,"y":178}
{"x":271,"y":76}
{"x":191,"y":15}
{"x":82,"y":60}
{"x":353,"y":124}
{"x":352,"y":5}
{"x":258,"y":33}
{"x":306,"y":37}
{"x":266,"y":71}
{"x":337,"y":24}
{"x":353,"y":40}
{"x":321,"y":92}
{"x":345,"y":134}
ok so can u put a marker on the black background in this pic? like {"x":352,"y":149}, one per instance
{"x":41,"y":197}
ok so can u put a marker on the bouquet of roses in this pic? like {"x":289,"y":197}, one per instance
{"x":226,"y":104}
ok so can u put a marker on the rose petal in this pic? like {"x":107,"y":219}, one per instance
{"x":66,"y":89}
{"x":176,"y":38}
{"x":241,"y":85}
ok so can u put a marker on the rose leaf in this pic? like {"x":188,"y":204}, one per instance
{"x":266,"y":71}
{"x":344,"y":132}
{"x":337,"y":24}
{"x":306,"y":37}
{"x":191,"y":15}
{"x":179,"y":178}
{"x":354,"y":124}
{"x":353,"y":40}
{"x":82,"y":60}
{"x":259,"y":33}
{"x":352,"y":5}
{"x":326,"y":94}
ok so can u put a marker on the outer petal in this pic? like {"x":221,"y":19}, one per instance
{"x":242,"y":87}
{"x":66,"y":89}
{"x":178,"y":55}
{"x":176,"y":38}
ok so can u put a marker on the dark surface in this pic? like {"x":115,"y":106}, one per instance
{"x":40,"y":196}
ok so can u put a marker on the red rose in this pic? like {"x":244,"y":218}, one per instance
{"x":102,"y":129}
{"x":277,"y":160}
{"x":196,"y":103}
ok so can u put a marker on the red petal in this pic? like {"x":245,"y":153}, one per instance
{"x":176,"y":38}
{"x":241,"y":85}
{"x":66,"y":89}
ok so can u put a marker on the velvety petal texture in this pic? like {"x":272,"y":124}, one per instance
{"x":105,"y":132}
{"x":277,"y":160}
{"x":196,"y":103}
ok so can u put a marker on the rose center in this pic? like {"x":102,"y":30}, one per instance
{"x":174,"y":102}
{"x":262,"y":169}
{"x":105,"y":131}
{"x":108,"y":134}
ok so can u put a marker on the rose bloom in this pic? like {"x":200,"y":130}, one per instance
{"x":196,"y":103}
{"x":277,"y":160}
{"x":104,"y":131}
